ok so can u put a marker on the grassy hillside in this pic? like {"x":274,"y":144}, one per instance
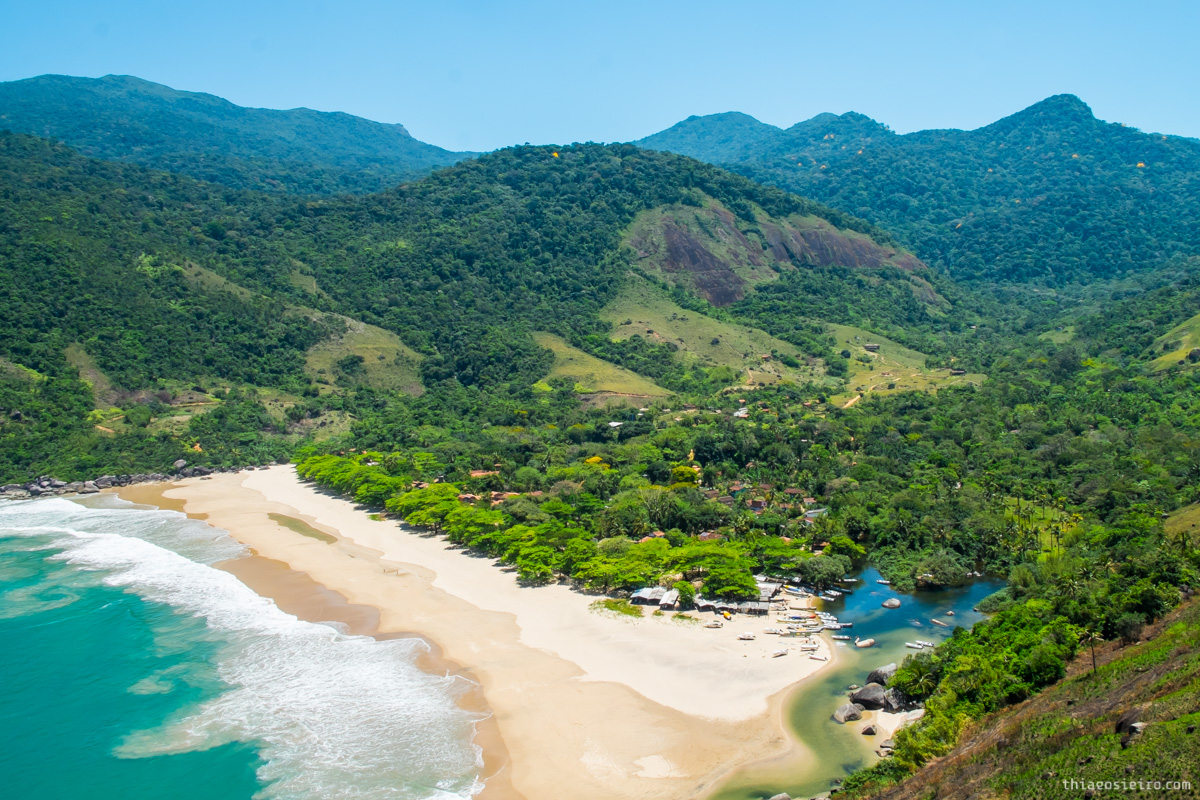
{"x":643,"y":309}
{"x":889,"y":369}
{"x":1070,"y":731}
{"x":1049,"y":194}
{"x":124,"y":118}
{"x":1177,"y":344}
{"x":601,"y":380}
{"x":364,"y":354}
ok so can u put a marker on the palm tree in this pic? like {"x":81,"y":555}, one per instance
{"x":1090,"y":637}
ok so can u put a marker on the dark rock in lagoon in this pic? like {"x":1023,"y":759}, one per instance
{"x":848,"y":712}
{"x":872,"y":696}
{"x":882,"y":675}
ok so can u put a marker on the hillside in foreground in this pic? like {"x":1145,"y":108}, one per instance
{"x":1131,"y":724}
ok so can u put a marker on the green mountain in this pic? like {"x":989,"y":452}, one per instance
{"x":1049,"y":195}
{"x":123,"y":118}
{"x":142,"y":281}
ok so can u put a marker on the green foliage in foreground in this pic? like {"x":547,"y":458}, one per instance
{"x":1069,"y":732}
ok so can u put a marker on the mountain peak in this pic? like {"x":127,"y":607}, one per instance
{"x":1056,"y":111}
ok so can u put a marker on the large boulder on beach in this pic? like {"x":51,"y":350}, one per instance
{"x":180,"y":464}
{"x":872,"y":696}
{"x":895,"y":700}
{"x":782,"y":796}
{"x":891,"y":602}
{"x":869,"y":730}
{"x":848,"y":712}
{"x":882,"y":675}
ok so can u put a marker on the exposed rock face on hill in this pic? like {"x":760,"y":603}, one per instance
{"x":721,"y":256}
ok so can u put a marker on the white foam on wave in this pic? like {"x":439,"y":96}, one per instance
{"x":333,"y":715}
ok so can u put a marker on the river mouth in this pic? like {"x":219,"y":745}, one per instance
{"x":831,"y":751}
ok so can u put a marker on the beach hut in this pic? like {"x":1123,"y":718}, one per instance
{"x":670,"y":599}
{"x":649,"y":596}
{"x":704,"y":604}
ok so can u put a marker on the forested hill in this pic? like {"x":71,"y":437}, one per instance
{"x":299,"y":150}
{"x":154,"y":282}
{"x":1050,"y":194}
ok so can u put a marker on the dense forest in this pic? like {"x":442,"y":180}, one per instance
{"x":299,"y":151}
{"x":1050,"y":195}
{"x":165,"y":282}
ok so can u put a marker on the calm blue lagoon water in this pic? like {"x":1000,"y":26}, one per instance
{"x":836,"y":749}
{"x":135,"y":669}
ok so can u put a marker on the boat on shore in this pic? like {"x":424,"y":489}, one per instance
{"x":779,"y":653}
{"x":841,"y":638}
{"x":924,"y":643}
{"x":816,"y":657}
{"x":746,"y":637}
{"x":914,"y":645}
{"x":714,"y":624}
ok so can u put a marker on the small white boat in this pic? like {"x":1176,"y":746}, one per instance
{"x":916,"y":622}
{"x":841,"y":638}
{"x":846,"y":624}
{"x":939,"y":623}
{"x":882,"y":582}
{"x":805,"y":648}
{"x":716,"y":623}
{"x":779,"y":653}
{"x":774,"y":631}
{"x":816,"y":657}
{"x":746,"y":637}
{"x":833,"y":592}
{"x":914,"y":645}
{"x":923,"y":643}
{"x":864,"y":642}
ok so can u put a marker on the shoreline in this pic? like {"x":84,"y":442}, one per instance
{"x":581,"y":701}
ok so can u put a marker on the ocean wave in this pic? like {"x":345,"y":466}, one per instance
{"x":333,"y":715}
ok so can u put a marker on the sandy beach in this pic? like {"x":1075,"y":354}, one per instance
{"x":585,"y":703}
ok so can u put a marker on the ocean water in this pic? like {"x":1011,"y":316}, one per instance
{"x":132,"y":668}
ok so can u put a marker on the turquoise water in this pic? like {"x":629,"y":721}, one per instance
{"x":836,"y":749}
{"x":134,"y":669}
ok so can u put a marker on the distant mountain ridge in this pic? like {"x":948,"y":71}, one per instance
{"x":123,"y":118}
{"x":1049,"y":194}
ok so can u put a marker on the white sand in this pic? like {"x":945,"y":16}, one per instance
{"x":588,"y":704}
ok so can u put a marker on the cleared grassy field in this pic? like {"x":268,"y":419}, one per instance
{"x":89,"y":373}
{"x":643,"y":309}
{"x":388,"y":364}
{"x":1182,"y":339}
{"x":593,"y":375}
{"x":1185,"y":519}
{"x":893,"y":367}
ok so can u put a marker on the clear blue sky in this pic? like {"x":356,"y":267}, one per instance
{"x":481,"y":75}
